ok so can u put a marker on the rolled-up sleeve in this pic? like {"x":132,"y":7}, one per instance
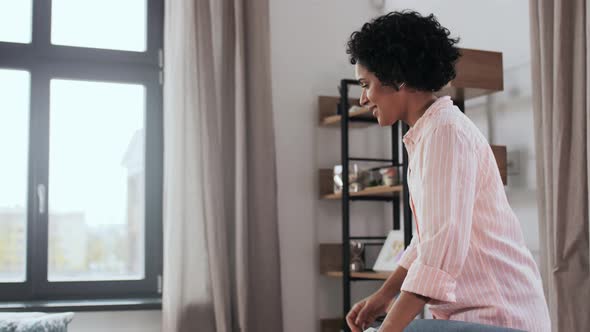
{"x":409,"y":255}
{"x":446,"y":202}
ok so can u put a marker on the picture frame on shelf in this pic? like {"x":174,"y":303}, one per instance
{"x":391,"y":252}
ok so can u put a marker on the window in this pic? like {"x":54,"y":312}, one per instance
{"x":82,"y":147}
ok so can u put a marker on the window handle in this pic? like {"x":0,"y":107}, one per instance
{"x":41,"y":196}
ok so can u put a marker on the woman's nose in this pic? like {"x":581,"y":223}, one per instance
{"x":364,"y":100}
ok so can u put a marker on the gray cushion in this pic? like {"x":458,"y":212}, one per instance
{"x":35,"y":322}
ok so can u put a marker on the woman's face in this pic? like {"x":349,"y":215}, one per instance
{"x":385,"y":102}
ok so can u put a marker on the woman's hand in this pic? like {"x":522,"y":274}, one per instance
{"x":365,"y":312}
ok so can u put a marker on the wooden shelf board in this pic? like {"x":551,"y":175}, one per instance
{"x":373,"y":275}
{"x":479,"y":73}
{"x":334,"y":120}
{"x":329,"y":117}
{"x":383,"y":191}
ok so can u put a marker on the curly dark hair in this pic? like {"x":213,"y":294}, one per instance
{"x":406,"y":47}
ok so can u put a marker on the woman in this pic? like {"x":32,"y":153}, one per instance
{"x":468,"y":259}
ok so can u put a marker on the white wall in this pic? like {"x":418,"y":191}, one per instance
{"x":117,"y":321}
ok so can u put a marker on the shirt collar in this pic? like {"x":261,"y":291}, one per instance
{"x":417,"y":130}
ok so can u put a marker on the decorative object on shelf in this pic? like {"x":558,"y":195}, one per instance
{"x":379,"y":176}
{"x":353,"y":176}
{"x":371,"y":177}
{"x":357,"y":250}
{"x":389,"y":175}
{"x":391,"y":252}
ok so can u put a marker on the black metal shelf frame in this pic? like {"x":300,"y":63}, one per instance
{"x":374,"y":198}
{"x":346,"y":198}
{"x":394,"y":163}
{"x":368,"y":237}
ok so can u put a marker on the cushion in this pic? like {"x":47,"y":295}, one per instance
{"x":35,"y":322}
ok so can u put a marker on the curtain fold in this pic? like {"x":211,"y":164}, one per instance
{"x":561,"y":111}
{"x":221,"y":250}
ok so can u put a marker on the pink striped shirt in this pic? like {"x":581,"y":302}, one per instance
{"x":469,"y":254}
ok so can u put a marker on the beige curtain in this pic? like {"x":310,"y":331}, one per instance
{"x":561,"y":102}
{"x":221,"y":253}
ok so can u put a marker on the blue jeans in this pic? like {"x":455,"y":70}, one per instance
{"x":439,"y":325}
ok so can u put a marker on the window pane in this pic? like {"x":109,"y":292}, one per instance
{"x":14,"y":144}
{"x":15,"y":21}
{"x":110,"y":24}
{"x":96,"y":181}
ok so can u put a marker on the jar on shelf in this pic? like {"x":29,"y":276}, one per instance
{"x":353,"y":178}
{"x":357,"y":262}
{"x":389,"y":176}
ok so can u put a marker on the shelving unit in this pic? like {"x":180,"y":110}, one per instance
{"x":478,"y":73}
